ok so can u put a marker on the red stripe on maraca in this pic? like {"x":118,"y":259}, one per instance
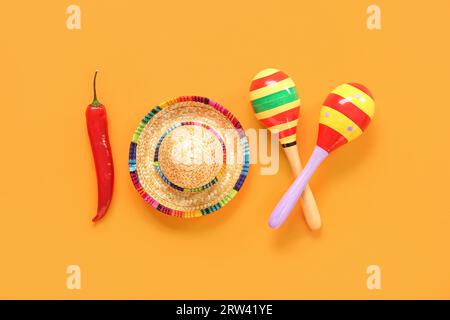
{"x":362,"y":88}
{"x":284,"y":117}
{"x":287,"y":132}
{"x":329,"y":139}
{"x":348,"y":109}
{"x":262,"y":82}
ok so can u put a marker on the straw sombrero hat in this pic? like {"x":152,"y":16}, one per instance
{"x":189,"y":157}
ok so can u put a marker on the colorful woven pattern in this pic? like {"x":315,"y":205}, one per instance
{"x":345,"y":114}
{"x":166,"y":194}
{"x":276,"y":104}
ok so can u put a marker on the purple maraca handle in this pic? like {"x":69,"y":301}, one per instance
{"x":290,"y":198}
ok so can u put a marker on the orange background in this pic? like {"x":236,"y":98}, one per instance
{"x":383,"y":198}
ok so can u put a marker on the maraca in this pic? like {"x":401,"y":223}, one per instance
{"x":276,"y":104}
{"x":345,"y":114}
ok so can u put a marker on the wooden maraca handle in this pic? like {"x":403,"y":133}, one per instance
{"x":290,"y":198}
{"x":307,"y":201}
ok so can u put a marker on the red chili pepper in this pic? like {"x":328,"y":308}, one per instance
{"x":97,"y":125}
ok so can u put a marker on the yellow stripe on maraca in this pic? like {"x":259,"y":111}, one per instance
{"x":340,"y":123}
{"x":265,"y":73}
{"x":284,"y":126}
{"x":357,"y":97}
{"x":277,"y":86}
{"x":289,"y":139}
{"x":278,"y":110}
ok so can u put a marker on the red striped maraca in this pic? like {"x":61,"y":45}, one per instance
{"x":276,"y":104}
{"x":346,"y":113}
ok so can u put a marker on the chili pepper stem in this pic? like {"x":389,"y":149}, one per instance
{"x":95,"y":102}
